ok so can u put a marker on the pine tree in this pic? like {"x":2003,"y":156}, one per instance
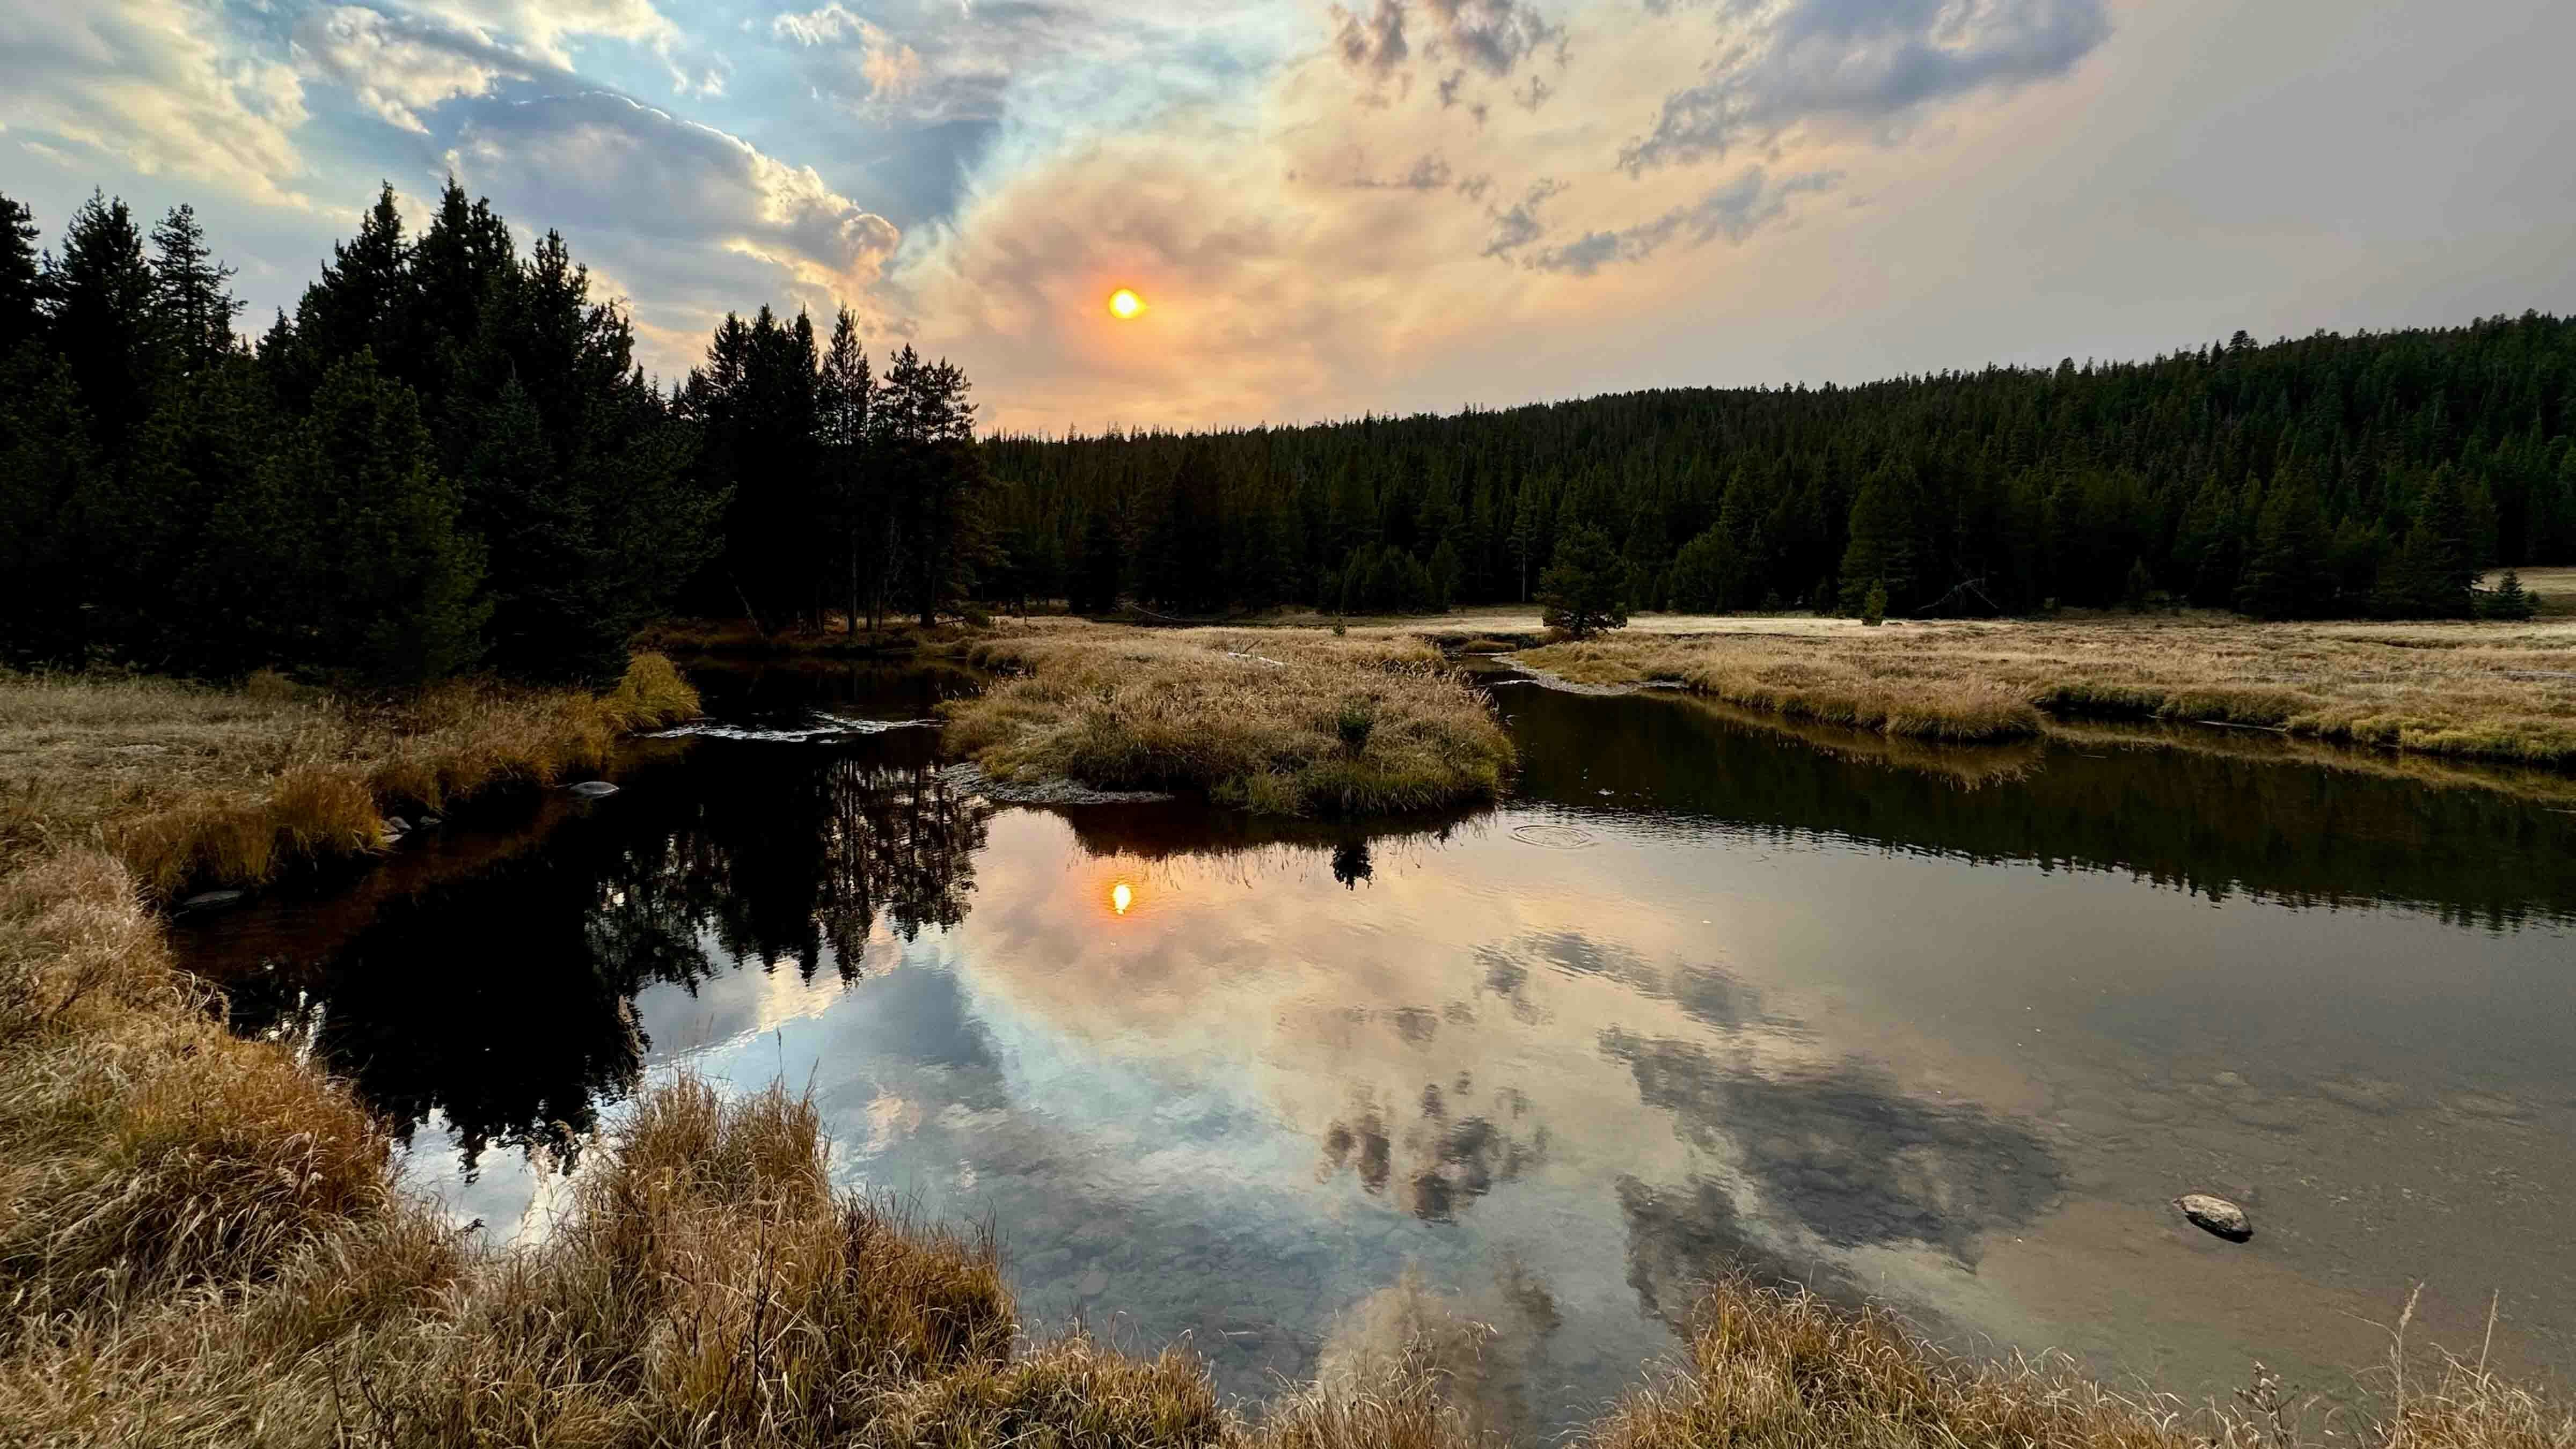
{"x":357,"y":305}
{"x":45,"y":462}
{"x":105,"y":320}
{"x":1581,"y":590}
{"x":853,"y":495}
{"x":1881,"y":551}
{"x":388,"y":557}
{"x":1102,"y":565}
{"x":22,"y":292}
{"x":1447,"y":572}
{"x":2509,"y":600}
{"x":1701,"y":571}
{"x":927,"y":432}
{"x":2430,"y":575}
{"x":2285,"y":574}
{"x":197,"y":308}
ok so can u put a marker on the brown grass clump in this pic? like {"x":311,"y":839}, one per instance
{"x":1785,"y":1370}
{"x":194,"y":787}
{"x":2477,"y":691}
{"x":1277,"y":721}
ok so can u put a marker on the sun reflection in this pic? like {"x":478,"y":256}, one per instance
{"x":1121,"y":896}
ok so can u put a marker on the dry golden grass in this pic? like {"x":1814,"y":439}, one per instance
{"x":1278,"y":721}
{"x":2473,"y":691}
{"x":200,"y":1242}
{"x":194,"y":787}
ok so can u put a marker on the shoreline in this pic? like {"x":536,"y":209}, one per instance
{"x":707,"y":1274}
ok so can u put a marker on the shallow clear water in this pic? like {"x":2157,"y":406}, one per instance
{"x":1945,"y":1027}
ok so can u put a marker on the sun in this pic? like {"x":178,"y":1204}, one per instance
{"x":1121,"y":896}
{"x":1125,"y":305}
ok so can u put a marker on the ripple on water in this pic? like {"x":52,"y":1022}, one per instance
{"x":1554,"y":837}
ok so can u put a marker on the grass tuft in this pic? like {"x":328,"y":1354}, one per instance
{"x":1278,"y":722}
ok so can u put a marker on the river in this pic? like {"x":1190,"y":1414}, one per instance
{"x":1945,"y":1028}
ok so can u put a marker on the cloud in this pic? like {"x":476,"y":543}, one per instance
{"x":1868,"y":63}
{"x":398,"y":68}
{"x":1492,"y":35}
{"x":547,"y":27}
{"x":891,"y":68}
{"x":160,"y":85}
{"x":1428,"y":173}
{"x":697,"y":220}
{"x":1518,"y":225}
{"x":1374,"y":43}
{"x":1734,"y":211}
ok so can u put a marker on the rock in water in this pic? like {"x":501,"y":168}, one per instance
{"x":594,"y":789}
{"x":210,"y":900}
{"x":2216,"y":1215}
{"x":397,"y":825}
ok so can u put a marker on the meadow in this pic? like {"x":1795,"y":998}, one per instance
{"x":2492,"y":692}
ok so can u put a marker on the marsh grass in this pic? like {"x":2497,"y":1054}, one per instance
{"x":201,"y":1242}
{"x":194,"y":787}
{"x":2471,"y":691}
{"x":1275,"y":721}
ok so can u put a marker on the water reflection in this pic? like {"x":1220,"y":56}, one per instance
{"x":740,"y":856}
{"x":1699,"y":998}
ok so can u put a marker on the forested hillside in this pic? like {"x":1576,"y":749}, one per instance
{"x":2365,"y":475}
{"x":446,"y":459}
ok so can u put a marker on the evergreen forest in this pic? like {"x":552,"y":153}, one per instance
{"x":447,"y":459}
{"x":2376,"y":475}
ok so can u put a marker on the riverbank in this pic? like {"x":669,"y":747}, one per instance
{"x":201,"y":1242}
{"x":2498,"y":692}
{"x":1277,"y":721}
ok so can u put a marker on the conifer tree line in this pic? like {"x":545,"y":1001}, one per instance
{"x":445,"y":459}
{"x":2374,"y":475}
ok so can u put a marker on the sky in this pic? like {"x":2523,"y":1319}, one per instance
{"x":1385,"y":206}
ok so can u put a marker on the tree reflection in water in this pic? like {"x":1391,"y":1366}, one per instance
{"x":504,"y":1002}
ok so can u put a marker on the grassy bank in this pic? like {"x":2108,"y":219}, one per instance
{"x":1279,"y":721}
{"x":189,"y":786}
{"x":2471,"y":691}
{"x":201,"y":1242}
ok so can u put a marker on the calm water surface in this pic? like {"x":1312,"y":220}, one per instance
{"x":1944,"y":1027}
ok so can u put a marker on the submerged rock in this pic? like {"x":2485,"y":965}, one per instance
{"x":2216,"y":1215}
{"x":212,"y":900}
{"x":431,"y":822}
{"x":593,"y":789}
{"x":397,"y":825}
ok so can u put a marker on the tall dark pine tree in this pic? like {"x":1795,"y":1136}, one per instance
{"x":1881,"y":551}
{"x":925,"y":429}
{"x":357,"y":306}
{"x":1103,"y":563}
{"x":2286,"y":576}
{"x":21,"y":278}
{"x":197,"y":307}
{"x":387,"y":558}
{"x":106,"y":320}
{"x":855,"y":503}
{"x":1583,"y":590}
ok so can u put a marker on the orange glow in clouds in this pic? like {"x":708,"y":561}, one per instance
{"x":1125,"y":305}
